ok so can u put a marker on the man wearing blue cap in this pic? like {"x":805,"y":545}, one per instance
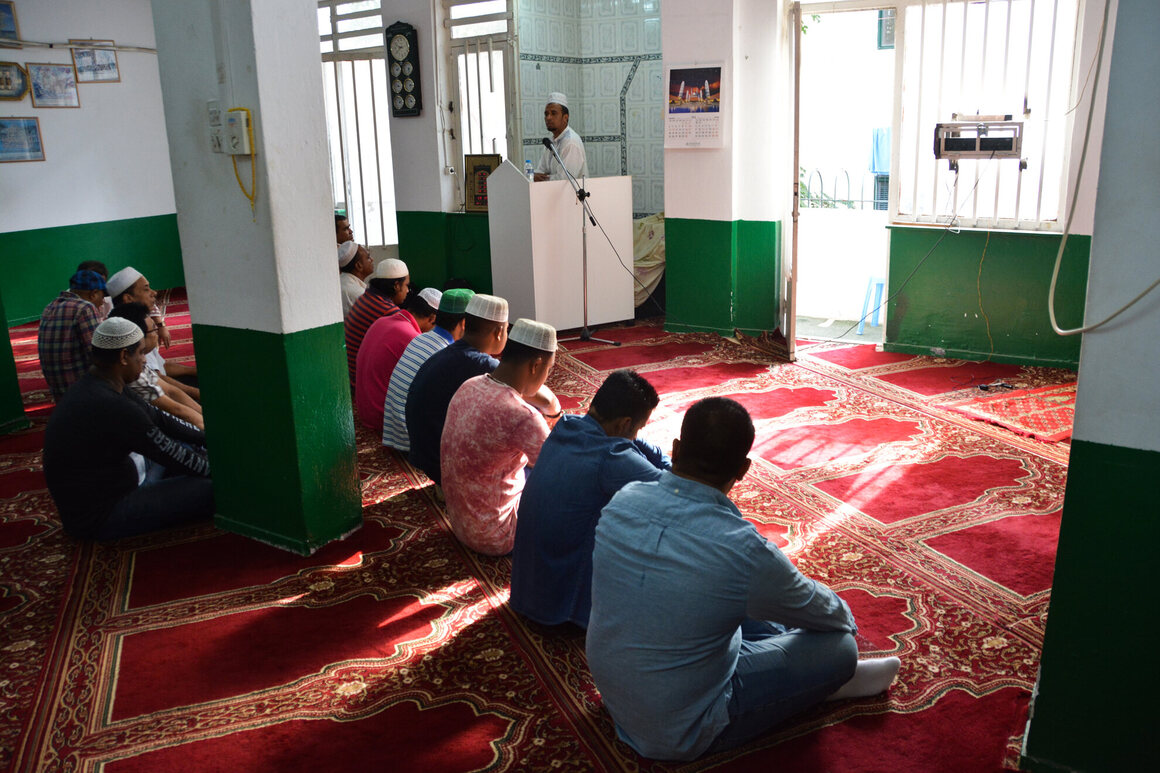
{"x":66,"y":331}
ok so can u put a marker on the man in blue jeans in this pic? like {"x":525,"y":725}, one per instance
{"x":702,"y":634}
{"x":115,"y":465}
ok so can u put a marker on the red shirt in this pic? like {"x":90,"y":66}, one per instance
{"x":382,"y":346}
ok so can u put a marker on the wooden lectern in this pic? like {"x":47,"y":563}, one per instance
{"x":536,"y":248}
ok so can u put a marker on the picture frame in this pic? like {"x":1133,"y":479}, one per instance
{"x":53,"y":84}
{"x":13,"y":81}
{"x":97,"y":64}
{"x":9,"y":29}
{"x":20,"y":140}
{"x":477,"y":168}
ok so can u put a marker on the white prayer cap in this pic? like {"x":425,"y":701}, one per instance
{"x":557,"y":98}
{"x":116,"y":333}
{"x":488,"y":307}
{"x":391,"y":268}
{"x":346,"y":253}
{"x":432,"y":296}
{"x":538,"y":335}
{"x":122,"y":281}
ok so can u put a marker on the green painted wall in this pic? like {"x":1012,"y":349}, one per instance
{"x":11,"y":406}
{"x":439,"y":245}
{"x":36,"y":264}
{"x":1095,"y":707}
{"x":281,"y":434}
{"x":939,"y":305}
{"x":721,"y":275}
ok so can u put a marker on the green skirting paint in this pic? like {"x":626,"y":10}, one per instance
{"x":149,"y":244}
{"x":722,"y":275}
{"x":11,"y":406}
{"x":438,"y":246}
{"x":281,"y":440}
{"x":939,"y":306}
{"x":1095,"y":708}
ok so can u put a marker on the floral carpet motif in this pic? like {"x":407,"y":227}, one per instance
{"x":395,"y":649}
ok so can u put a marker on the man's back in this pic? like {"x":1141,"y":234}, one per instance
{"x":417,"y":352}
{"x":62,"y":342}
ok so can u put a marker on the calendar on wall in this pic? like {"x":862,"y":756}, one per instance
{"x":695,"y":109}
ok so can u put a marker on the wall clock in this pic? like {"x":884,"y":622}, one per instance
{"x":403,"y":54}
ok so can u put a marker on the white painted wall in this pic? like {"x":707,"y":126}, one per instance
{"x":1118,"y":402}
{"x":107,"y":160}
{"x":763,"y":148}
{"x":275,"y":271}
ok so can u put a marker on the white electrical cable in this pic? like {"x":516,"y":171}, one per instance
{"x":1075,"y":198}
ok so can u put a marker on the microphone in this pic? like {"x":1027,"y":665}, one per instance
{"x":547,"y":143}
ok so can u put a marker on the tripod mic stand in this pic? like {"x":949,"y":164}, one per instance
{"x":585,"y":216}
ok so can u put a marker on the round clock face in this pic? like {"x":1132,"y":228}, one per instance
{"x":396,"y":86}
{"x":408,"y":85}
{"x":398,"y":101}
{"x":400,"y":47}
{"x":396,"y":70}
{"x":408,"y":68}
{"x":410,"y":100}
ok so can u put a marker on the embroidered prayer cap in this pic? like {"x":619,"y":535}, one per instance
{"x":86,"y":280}
{"x":455,"y":301}
{"x":538,"y":335}
{"x":391,"y":268}
{"x":122,"y":280}
{"x":116,"y":333}
{"x":488,"y":307}
{"x":346,"y":253}
{"x":557,"y":98}
{"x":432,"y":296}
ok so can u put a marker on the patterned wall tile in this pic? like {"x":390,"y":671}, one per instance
{"x":630,"y":37}
{"x":652,"y":34}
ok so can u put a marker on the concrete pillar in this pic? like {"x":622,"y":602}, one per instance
{"x":263,"y":286}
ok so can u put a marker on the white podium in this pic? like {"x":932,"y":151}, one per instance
{"x":536,"y":248}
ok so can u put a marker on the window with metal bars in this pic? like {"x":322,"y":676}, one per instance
{"x":355,"y":85}
{"x":482,"y":49}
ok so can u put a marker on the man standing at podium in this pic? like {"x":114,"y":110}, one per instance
{"x":568,"y":143}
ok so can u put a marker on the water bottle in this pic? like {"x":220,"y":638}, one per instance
{"x":529,"y":170}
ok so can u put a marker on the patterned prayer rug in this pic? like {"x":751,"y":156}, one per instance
{"x":395,"y":649}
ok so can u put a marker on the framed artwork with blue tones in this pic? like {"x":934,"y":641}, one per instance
{"x":20,"y":140}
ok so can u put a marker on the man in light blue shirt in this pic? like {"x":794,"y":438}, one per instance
{"x":581,"y":465}
{"x":702,"y":634}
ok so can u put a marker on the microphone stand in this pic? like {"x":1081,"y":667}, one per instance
{"x":585,"y":215}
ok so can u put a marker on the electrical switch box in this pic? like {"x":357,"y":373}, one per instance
{"x":238,"y":136}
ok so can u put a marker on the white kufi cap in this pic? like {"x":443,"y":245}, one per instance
{"x":432,"y":296}
{"x":391,"y":268}
{"x":538,"y":335}
{"x":488,"y":307}
{"x":558,"y":98}
{"x":116,"y":333}
{"x":122,"y":281}
{"x":346,"y":253}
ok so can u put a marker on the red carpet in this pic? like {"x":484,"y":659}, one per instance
{"x":1047,"y":412}
{"x":195,"y":650}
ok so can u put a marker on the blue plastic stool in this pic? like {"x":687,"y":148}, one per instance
{"x":876,"y":285}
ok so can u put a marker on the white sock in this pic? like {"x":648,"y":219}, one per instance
{"x":870,"y":678}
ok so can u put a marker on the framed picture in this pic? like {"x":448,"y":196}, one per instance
{"x":13,"y":81}
{"x":53,"y":85}
{"x":9,"y":31}
{"x":20,"y":140}
{"x":478,"y":168}
{"x":97,"y":64}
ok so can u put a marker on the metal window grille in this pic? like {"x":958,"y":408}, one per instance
{"x":355,"y":85}
{"x":482,"y":48}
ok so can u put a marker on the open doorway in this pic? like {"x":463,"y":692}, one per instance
{"x":846,"y":110}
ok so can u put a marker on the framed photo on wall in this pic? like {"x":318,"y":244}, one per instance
{"x":53,"y":85}
{"x":97,"y":64}
{"x":13,"y":81}
{"x":9,"y":30}
{"x":695,"y":113}
{"x":478,"y":167}
{"x":20,"y":140}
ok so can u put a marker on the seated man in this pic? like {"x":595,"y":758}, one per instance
{"x":703,"y":635}
{"x":114,"y":465}
{"x":491,"y":435}
{"x":583,"y":463}
{"x":386,"y":291}
{"x":449,"y":324}
{"x":484,"y":336}
{"x":151,"y":386}
{"x":381,"y":349}
{"x":66,"y":328}
{"x":106,"y":304}
{"x":342,"y":230}
{"x":130,"y":286}
{"x":355,"y":264}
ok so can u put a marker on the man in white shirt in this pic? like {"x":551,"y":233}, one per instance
{"x":568,"y":143}
{"x":355,"y":264}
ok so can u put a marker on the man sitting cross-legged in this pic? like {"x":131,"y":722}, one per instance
{"x":490,"y":435}
{"x":114,"y":465}
{"x":66,"y":327}
{"x":131,"y":286}
{"x":386,"y":291}
{"x":703,"y":635}
{"x":383,"y":345}
{"x":583,"y":463}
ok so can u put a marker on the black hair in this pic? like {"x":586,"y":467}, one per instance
{"x":480,"y":326}
{"x":94,"y":265}
{"x":716,"y":435}
{"x":338,"y":217}
{"x":387,"y":287}
{"x":111,"y":356}
{"x":349,"y":267}
{"x":447,"y":320}
{"x":518,"y":353}
{"x":564,"y":109}
{"x":135,"y":312}
{"x":418,"y":306}
{"x":624,"y":393}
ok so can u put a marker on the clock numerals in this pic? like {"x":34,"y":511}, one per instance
{"x":400,"y":47}
{"x":403,"y":57}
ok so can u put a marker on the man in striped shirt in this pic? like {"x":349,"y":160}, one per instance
{"x":449,"y":324}
{"x":386,"y":290}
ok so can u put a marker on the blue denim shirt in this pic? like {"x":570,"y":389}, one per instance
{"x":675,"y":571}
{"x":579,"y":469}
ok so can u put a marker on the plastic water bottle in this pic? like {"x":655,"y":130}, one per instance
{"x":529,"y":170}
